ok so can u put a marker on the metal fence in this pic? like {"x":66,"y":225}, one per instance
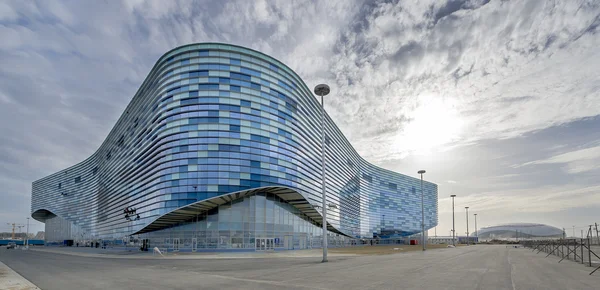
{"x":584,"y":251}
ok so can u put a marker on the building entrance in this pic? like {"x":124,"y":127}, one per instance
{"x":263,"y":244}
{"x":176,"y":244}
{"x":288,"y":242}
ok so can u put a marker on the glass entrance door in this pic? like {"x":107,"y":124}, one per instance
{"x":265,"y":244}
{"x":302,"y":242}
{"x":176,"y":244}
{"x":261,"y":244}
{"x":288,"y":242}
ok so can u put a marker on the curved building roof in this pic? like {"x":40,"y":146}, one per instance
{"x":519,"y":229}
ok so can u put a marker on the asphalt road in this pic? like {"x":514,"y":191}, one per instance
{"x":475,"y":267}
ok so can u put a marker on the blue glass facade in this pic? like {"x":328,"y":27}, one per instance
{"x":218,"y":128}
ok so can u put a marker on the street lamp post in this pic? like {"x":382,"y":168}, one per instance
{"x":467,"y":208}
{"x":27,"y":237}
{"x":323,"y":90}
{"x":453,"y":229}
{"x":476,"y":234}
{"x":422,"y":210}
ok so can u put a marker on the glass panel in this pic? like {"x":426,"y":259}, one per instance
{"x":212,"y":225}
{"x":260,"y":201}
{"x":237,"y":214}
{"x":236,"y":225}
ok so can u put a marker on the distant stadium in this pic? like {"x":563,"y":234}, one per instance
{"x":519,"y":230}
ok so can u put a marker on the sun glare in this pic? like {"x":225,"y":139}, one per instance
{"x":434,"y":123}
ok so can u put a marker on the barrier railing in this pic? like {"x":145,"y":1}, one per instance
{"x":577,"y":250}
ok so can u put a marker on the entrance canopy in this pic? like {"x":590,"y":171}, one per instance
{"x":190,"y":211}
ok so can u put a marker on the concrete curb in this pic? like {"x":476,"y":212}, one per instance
{"x":11,"y":280}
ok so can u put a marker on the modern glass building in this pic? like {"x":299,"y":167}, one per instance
{"x":220,"y":148}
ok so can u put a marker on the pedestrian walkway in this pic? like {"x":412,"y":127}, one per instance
{"x":11,"y":280}
{"x":122,"y":253}
{"x":468,"y":268}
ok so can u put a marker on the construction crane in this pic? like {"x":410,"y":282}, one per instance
{"x":14,"y":225}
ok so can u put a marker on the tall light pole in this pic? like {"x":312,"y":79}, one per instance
{"x":476,"y":234}
{"x":323,"y":90}
{"x":453,"y":229}
{"x":467,"y":208}
{"x":422,"y":210}
{"x":27,"y":237}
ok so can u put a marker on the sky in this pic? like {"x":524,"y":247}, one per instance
{"x":498,"y":100}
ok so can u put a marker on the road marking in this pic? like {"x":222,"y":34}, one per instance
{"x":11,"y":280}
{"x":510,"y":269}
{"x":269,"y":282}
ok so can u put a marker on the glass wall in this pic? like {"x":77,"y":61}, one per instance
{"x":239,"y":223}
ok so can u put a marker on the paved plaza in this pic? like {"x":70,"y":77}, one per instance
{"x":474,"y":267}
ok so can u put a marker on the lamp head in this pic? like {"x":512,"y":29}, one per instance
{"x":454,"y":195}
{"x":322,"y":90}
{"x":421,"y":171}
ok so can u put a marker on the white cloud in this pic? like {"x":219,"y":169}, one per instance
{"x":500,"y":71}
{"x":4,"y":98}
{"x":538,"y":200}
{"x":7,"y":13}
{"x":575,"y":161}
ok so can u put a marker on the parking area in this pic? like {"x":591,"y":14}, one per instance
{"x":473,"y":267}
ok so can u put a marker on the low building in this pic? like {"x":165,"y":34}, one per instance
{"x":448,"y":240}
{"x":10,"y":235}
{"x":471,"y":239}
{"x":442,"y":240}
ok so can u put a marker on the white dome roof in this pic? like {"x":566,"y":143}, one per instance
{"x":524,"y":229}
